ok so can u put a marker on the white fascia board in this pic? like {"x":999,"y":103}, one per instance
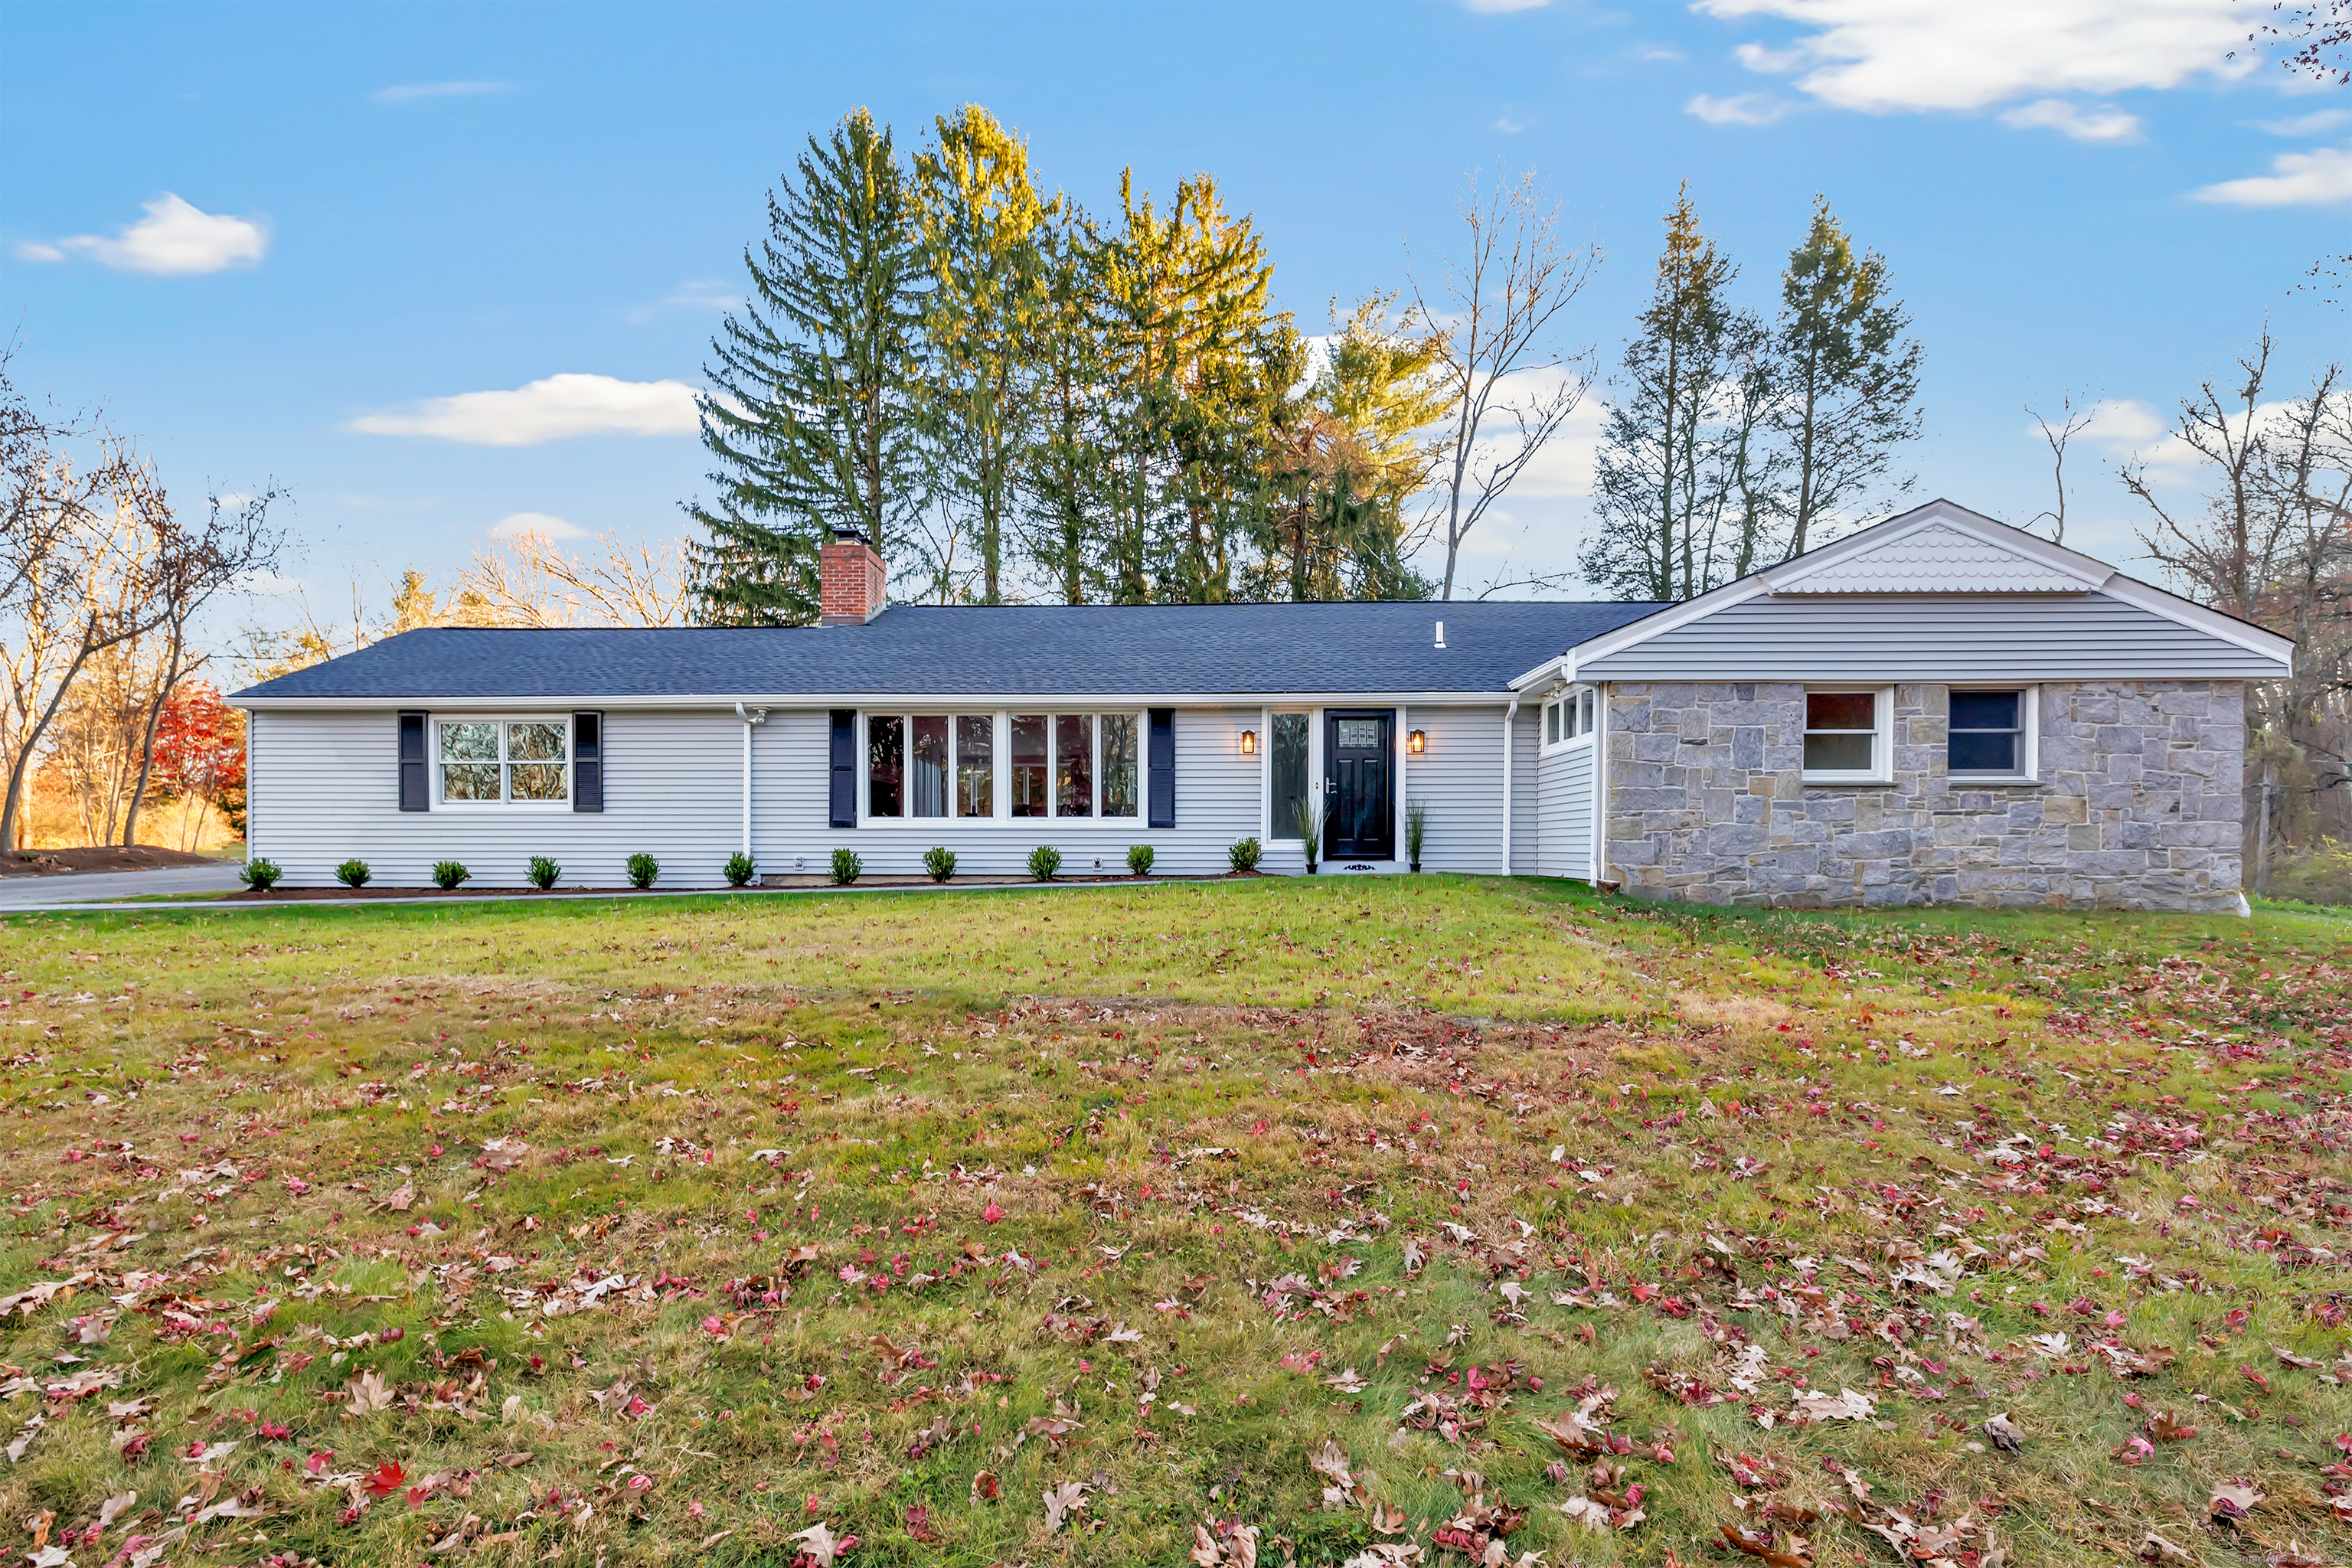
{"x":2197,"y":617}
{"x":2088,"y":571}
{"x":1658,"y":622}
{"x":1562,"y":668}
{"x":898,"y":700}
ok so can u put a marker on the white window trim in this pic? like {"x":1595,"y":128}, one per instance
{"x":1000,"y":794}
{"x":441,"y":802}
{"x":1882,"y":740}
{"x":2029,"y":737}
{"x":1570,"y":701}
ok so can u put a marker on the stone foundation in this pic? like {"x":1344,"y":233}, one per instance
{"x":2138,"y":805}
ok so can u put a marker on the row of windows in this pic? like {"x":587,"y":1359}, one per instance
{"x":1055,"y":765}
{"x":1571,"y":715}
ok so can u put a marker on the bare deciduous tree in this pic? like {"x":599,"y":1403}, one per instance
{"x":530,"y":581}
{"x":2059,"y":433}
{"x":1496,"y":308}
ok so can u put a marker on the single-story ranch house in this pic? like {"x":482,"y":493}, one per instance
{"x":1938,"y":708}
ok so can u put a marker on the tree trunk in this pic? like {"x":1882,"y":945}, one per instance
{"x":13,"y":809}
{"x":2263,"y":831}
{"x":147,"y":741}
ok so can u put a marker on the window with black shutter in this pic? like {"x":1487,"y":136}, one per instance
{"x":415,"y":783}
{"x":587,"y":762}
{"x":1161,"y":767}
{"x":845,"y":767}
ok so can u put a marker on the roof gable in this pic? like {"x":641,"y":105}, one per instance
{"x":1937,"y":557}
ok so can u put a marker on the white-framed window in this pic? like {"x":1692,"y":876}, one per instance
{"x":503,"y":761}
{"x":1847,"y":734}
{"x":1289,"y":772}
{"x":1990,"y":736}
{"x":983,"y":766}
{"x":1568,"y":716}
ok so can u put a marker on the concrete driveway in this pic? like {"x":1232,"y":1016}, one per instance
{"x":75,"y":888}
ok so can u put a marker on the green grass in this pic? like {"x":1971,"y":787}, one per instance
{"x":906,"y":1191}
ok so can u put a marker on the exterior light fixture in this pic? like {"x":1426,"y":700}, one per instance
{"x":1417,"y":742}
{"x":1249,"y":743}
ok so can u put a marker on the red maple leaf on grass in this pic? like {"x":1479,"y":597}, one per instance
{"x":389,"y":1477}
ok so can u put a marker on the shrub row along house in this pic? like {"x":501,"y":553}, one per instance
{"x":1936,"y":709}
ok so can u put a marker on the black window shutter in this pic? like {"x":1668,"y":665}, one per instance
{"x":414,"y":793}
{"x":1163,"y":769}
{"x":587,"y":762}
{"x":845,"y":767}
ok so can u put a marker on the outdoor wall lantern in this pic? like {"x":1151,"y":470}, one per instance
{"x":1249,"y":743}
{"x":1417,"y":742}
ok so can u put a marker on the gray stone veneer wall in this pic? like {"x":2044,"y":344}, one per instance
{"x":2138,"y":806}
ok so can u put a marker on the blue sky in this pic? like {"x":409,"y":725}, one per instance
{"x":270,"y":240}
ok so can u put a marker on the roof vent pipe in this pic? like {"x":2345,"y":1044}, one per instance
{"x":1441,"y":634}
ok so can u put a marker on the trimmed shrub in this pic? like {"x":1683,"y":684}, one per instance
{"x":543,"y":872}
{"x":260,"y":875}
{"x":741,"y":870}
{"x":847,"y":867}
{"x":642,"y":869}
{"x":1044,"y":861}
{"x":353,"y":873}
{"x":940,"y":861}
{"x":1244,"y":855}
{"x":449,"y":875}
{"x":1139,"y":860}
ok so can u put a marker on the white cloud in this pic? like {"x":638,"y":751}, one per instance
{"x":1502,"y":7}
{"x":2120,"y":426}
{"x":1564,"y":467}
{"x":2104,"y":123}
{"x":173,"y":240}
{"x":1884,"y":57}
{"x":694,"y":294}
{"x":412,"y":92}
{"x":1658,"y":52}
{"x":2311,"y":124}
{"x":1511,"y":124}
{"x":1747,"y":109}
{"x":551,"y":409}
{"x":2319,"y":178}
{"x":515,"y":524}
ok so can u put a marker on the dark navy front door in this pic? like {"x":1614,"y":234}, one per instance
{"x":1359,"y":767}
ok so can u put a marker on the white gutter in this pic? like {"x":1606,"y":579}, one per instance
{"x":888,"y":701}
{"x":752,"y":721}
{"x":1510,"y":719}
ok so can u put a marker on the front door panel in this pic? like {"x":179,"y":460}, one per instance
{"x":1359,"y":766}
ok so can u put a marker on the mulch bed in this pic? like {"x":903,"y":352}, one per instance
{"x":770,"y":884}
{"x":96,"y":857}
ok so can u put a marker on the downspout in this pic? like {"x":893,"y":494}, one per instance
{"x":1599,"y":784}
{"x":1510,"y":724}
{"x":752,"y":718}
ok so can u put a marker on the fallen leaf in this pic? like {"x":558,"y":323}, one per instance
{"x":1064,"y":1497}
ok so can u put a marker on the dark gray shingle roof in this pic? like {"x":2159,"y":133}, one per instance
{"x":1013,"y":650}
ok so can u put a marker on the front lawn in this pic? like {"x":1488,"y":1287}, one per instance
{"x":1385,"y":1221}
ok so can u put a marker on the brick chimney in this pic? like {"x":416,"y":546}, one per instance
{"x":849,"y":579}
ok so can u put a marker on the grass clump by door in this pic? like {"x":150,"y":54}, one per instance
{"x":1339,"y":1218}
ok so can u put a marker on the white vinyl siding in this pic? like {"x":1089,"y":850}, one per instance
{"x":1981,"y":639}
{"x":1526,"y":786}
{"x":325,"y":788}
{"x":1564,"y":809}
{"x":1459,"y":776}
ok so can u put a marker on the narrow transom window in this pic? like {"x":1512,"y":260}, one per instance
{"x":1841,"y":732}
{"x":1987,"y":733}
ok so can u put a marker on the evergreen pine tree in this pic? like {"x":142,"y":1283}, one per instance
{"x":1659,"y":491}
{"x":1066,"y":469}
{"x":980,"y":220}
{"x":814,"y":419}
{"x":1848,"y":380}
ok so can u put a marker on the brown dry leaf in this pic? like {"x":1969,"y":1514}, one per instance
{"x":984,"y":1487}
{"x":2232,"y":1502}
{"x":369,"y":1392}
{"x":2165,"y":1427}
{"x":819,"y":1542}
{"x":2154,"y":1548}
{"x":2004,"y":1433}
{"x":1759,"y":1543}
{"x":1059,"y":1502}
